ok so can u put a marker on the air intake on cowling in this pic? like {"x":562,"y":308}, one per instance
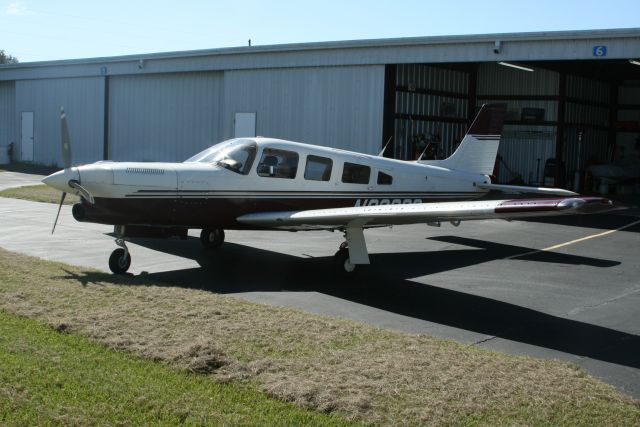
{"x":145,"y":171}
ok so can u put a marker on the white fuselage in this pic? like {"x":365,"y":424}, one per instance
{"x":283,"y":175}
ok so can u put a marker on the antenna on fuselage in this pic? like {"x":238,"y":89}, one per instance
{"x":423,"y":151}
{"x":385,"y":146}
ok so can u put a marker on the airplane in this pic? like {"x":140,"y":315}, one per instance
{"x":264,"y":183}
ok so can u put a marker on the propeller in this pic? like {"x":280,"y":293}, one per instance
{"x":58,"y":214}
{"x":66,"y":141}
{"x":66,"y":157}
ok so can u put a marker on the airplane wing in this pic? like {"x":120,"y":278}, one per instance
{"x":372,"y":216}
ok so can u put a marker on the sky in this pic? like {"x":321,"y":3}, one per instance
{"x":40,"y":30}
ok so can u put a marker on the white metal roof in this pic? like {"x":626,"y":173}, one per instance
{"x":533,"y":46}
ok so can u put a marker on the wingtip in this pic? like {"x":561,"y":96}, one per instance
{"x":599,"y":204}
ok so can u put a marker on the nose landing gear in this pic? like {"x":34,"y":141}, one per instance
{"x":120,"y":259}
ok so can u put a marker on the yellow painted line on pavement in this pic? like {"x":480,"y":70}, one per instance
{"x":572,"y":242}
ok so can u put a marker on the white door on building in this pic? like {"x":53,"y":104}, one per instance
{"x":26,"y":141}
{"x":244,"y":125}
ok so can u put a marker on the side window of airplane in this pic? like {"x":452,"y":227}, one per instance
{"x":278,"y":163}
{"x":353,"y":173}
{"x":318,"y":168}
{"x":384,"y":179}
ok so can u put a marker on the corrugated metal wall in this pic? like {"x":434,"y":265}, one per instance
{"x":171,"y":116}
{"x":7,"y":114}
{"x":629,"y":93}
{"x":330,"y":106}
{"x":445,"y":136}
{"x":164,"y":117}
{"x":586,"y":129}
{"x":83,"y":100}
{"x":500,"y":80}
{"x":433,"y":78}
{"x":416,"y":78}
{"x":628,"y":142}
{"x":524,"y":148}
{"x":524,"y":153}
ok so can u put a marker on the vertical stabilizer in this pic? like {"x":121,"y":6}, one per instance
{"x":479,"y":147}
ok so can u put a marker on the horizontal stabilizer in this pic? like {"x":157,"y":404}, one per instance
{"x":525,"y":189}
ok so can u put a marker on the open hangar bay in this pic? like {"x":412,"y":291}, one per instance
{"x":573,"y":102}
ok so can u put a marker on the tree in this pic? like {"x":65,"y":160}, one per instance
{"x":5,"y":58}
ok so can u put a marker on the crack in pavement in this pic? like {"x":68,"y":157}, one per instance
{"x":580,"y":309}
{"x":482,"y":341}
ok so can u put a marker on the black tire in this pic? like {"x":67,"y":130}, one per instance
{"x":341,"y":264}
{"x":118,"y":263}
{"x":212,"y":238}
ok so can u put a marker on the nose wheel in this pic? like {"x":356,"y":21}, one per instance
{"x":120,"y":259}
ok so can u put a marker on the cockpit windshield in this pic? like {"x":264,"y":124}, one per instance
{"x":237,"y":155}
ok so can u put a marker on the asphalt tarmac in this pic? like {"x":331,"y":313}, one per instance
{"x":484,"y":283}
{"x":17,"y":179}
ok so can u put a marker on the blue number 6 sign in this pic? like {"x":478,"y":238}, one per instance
{"x":599,"y":51}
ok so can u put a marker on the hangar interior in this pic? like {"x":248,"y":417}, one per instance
{"x":572,"y":121}
{"x":584,"y":113}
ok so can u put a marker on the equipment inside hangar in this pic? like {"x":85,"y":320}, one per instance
{"x":571,"y":124}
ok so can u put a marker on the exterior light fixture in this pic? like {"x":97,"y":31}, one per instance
{"x":519,"y":67}
{"x":634,"y":61}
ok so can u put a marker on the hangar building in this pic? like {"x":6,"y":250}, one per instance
{"x":573,"y":101}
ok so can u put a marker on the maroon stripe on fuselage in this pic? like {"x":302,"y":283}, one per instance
{"x":209,"y":212}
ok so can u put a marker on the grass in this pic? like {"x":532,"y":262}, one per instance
{"x":48,"y":377}
{"x":360,"y":372}
{"x":39,"y":193}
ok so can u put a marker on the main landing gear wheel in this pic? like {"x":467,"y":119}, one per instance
{"x":119,"y":261}
{"x":212,"y":238}
{"x":342,"y":264}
